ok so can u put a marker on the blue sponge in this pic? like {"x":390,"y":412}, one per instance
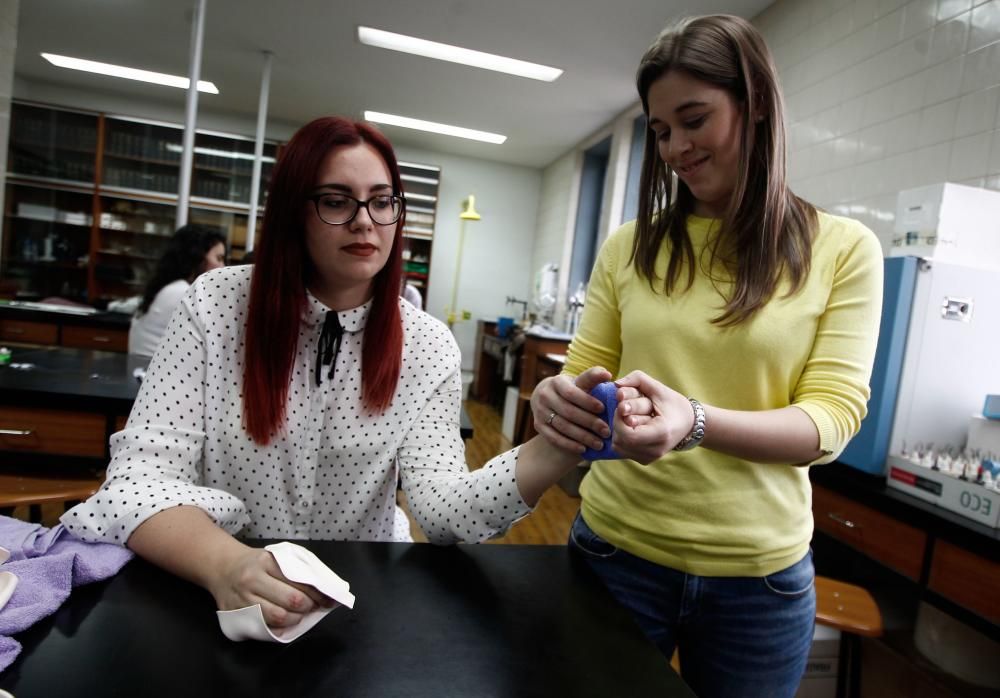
{"x":608,"y":394}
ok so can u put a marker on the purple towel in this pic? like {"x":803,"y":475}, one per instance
{"x":48,"y":563}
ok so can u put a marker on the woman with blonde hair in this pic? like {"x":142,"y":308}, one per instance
{"x":742,"y":323}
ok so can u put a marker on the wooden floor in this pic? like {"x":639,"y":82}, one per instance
{"x":549,"y":523}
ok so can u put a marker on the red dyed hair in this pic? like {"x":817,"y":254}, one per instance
{"x":278,"y":288}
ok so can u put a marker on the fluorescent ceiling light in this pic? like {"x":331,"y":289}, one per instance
{"x":455,"y":54}
{"x":420,"y":125}
{"x":174,"y":148}
{"x":120,"y":71}
{"x":419,"y":180}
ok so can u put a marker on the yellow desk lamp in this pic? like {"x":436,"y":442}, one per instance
{"x":468,"y":213}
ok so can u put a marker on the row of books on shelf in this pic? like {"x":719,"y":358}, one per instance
{"x":42,"y":132}
{"x":64,"y":168}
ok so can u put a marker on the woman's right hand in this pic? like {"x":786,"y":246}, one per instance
{"x":252,"y":576}
{"x":567,"y":415}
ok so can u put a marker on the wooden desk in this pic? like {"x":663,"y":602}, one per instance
{"x":467,"y":620}
{"x":39,"y":323}
{"x":488,"y":363}
{"x":66,"y":402}
{"x":539,"y":360}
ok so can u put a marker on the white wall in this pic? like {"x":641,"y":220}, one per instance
{"x":560,"y":192}
{"x":8,"y":47}
{"x":560,"y":187}
{"x":497,"y":259}
{"x":882,"y":95}
{"x":885,"y":95}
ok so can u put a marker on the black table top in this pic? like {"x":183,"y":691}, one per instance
{"x":86,"y":380}
{"x":468,"y":620}
{"x":76,"y":379}
{"x":41,"y":312}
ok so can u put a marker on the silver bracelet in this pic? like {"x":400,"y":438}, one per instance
{"x":697,"y":432}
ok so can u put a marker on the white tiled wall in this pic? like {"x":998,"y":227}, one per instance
{"x":556,"y":214}
{"x":8,"y":45}
{"x":885,"y":95}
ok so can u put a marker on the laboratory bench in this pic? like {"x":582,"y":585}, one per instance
{"x":907,"y":553}
{"x":69,"y":326}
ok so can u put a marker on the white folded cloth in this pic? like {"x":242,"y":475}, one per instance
{"x":298,"y":565}
{"x":8,"y":580}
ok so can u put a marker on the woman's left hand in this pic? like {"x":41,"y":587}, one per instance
{"x":650,"y":420}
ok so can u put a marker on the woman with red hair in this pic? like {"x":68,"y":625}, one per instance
{"x":288,"y":396}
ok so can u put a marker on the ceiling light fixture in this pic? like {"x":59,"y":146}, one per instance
{"x":445,"y":129}
{"x":120,"y":71}
{"x":456,"y":54}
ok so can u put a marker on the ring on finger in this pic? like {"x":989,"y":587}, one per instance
{"x":552,"y":415}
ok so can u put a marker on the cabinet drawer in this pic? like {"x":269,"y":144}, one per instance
{"x":891,"y":542}
{"x":95,"y":338}
{"x":28,"y":332}
{"x":967,"y":579}
{"x":52,"y":431}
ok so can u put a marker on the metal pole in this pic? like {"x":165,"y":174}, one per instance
{"x":258,"y":148}
{"x":191,"y":113}
{"x":452,"y":309}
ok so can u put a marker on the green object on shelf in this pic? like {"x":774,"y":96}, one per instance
{"x":5,"y":356}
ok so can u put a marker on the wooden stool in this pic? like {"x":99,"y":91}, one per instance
{"x":851,"y":610}
{"x":37,"y":489}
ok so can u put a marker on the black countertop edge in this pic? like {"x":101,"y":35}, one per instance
{"x":937,"y":521}
{"x":58,"y":398}
{"x":106,"y":320}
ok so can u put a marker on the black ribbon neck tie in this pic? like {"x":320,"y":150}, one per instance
{"x":329,"y":345}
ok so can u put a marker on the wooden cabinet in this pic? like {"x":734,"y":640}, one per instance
{"x":968,"y":579}
{"x":28,"y":332}
{"x":56,"y":432}
{"x":94,"y":338}
{"x":883,"y":538}
{"x":91,"y":199}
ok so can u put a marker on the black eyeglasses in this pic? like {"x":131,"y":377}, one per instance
{"x":338,"y":209}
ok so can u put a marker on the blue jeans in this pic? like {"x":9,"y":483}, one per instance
{"x":736,"y":636}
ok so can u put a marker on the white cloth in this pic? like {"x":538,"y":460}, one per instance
{"x":147,"y":329}
{"x":298,"y":565}
{"x":8,"y":580}
{"x":332,"y":473}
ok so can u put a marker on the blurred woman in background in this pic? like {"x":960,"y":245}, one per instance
{"x":193,"y":250}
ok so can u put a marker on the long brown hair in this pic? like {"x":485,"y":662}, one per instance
{"x":766,"y":230}
{"x":278,"y":289}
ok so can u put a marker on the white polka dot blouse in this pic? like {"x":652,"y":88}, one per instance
{"x":332,"y":474}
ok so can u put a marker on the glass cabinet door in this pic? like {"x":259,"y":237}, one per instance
{"x":223,"y":168}
{"x":141,"y":156}
{"x":231,"y":224}
{"x":132,"y":235}
{"x":51,"y":143}
{"x":46,"y":241}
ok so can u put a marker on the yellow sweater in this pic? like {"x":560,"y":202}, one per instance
{"x":704,"y":512}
